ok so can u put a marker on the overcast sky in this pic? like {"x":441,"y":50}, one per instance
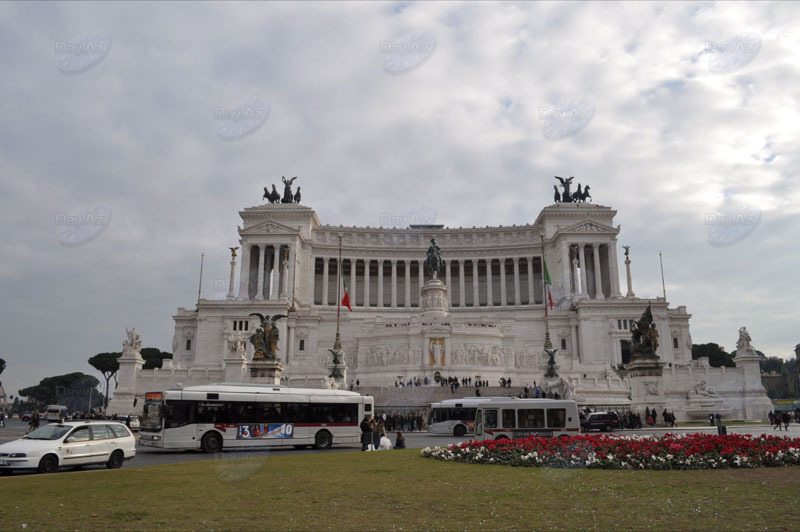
{"x":676,"y":114}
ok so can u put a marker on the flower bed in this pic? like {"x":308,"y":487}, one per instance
{"x":671,"y":451}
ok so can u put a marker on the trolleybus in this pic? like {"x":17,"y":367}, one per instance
{"x":216,"y":416}
{"x":456,"y":416}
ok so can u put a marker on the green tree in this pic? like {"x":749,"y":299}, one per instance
{"x":108,"y":365}
{"x":50,"y":389}
{"x":153,"y":357}
{"x":716,"y":354}
{"x":770,"y":364}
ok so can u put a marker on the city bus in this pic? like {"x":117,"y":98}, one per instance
{"x":234,"y":416}
{"x":456,"y":416}
{"x":520,"y":418}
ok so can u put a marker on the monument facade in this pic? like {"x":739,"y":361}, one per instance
{"x":432,"y":301}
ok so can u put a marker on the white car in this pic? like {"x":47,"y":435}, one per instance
{"x":71,"y":444}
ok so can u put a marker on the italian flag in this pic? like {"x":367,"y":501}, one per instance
{"x":547,"y":284}
{"x":346,"y":296}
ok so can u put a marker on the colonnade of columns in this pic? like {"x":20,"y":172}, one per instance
{"x":593,"y":270}
{"x":396,"y":283}
{"x":266,"y":271}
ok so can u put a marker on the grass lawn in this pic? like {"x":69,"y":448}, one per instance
{"x":393,"y":490}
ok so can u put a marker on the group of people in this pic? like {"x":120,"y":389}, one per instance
{"x":780,"y":418}
{"x":416,"y":381}
{"x":374,"y":438}
{"x":408,"y":422}
{"x":651,"y":416}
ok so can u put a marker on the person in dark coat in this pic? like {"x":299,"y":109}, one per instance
{"x":366,"y":433}
{"x":400,"y":441}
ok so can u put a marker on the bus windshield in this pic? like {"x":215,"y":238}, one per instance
{"x":152,"y":414}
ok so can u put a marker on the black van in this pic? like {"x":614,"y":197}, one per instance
{"x":602,"y":421}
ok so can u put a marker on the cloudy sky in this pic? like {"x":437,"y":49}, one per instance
{"x":682,"y":116}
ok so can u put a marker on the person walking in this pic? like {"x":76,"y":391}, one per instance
{"x":777,"y":421}
{"x":786,"y":419}
{"x":400,"y":441}
{"x":3,"y":419}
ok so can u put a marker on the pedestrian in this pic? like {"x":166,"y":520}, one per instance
{"x":400,"y":441}
{"x":3,"y":419}
{"x":366,"y":433}
{"x":711,"y":419}
{"x":777,"y":421}
{"x":786,"y":420}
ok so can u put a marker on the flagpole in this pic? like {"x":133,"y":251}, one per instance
{"x":337,"y":345}
{"x":547,"y":343}
{"x":663,"y":286}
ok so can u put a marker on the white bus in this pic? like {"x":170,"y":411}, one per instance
{"x":520,"y":418}
{"x":234,"y":416}
{"x":456,"y":416}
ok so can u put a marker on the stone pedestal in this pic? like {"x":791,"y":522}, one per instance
{"x":130,"y":363}
{"x":337,"y":376}
{"x":434,"y":298}
{"x":264,"y":371}
{"x":755,"y":403}
{"x":647,"y":385}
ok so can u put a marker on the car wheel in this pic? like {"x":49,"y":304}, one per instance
{"x":607,"y":428}
{"x":459,"y":431}
{"x":48,"y":464}
{"x":115,"y":460}
{"x":211,"y":443}
{"x":323,"y":440}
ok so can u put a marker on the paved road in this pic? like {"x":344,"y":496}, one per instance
{"x":146,"y":456}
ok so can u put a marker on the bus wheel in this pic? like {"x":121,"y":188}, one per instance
{"x":323,"y":440}
{"x":211,"y":443}
{"x":459,"y":430}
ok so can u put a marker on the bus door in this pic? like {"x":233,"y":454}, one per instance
{"x":479,"y":423}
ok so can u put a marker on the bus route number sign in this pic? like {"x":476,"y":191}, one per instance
{"x":262,"y":431}
{"x":539,"y":433}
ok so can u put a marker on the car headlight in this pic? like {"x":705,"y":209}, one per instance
{"x":17,"y":455}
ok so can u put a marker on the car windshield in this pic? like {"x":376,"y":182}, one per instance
{"x":49,"y":432}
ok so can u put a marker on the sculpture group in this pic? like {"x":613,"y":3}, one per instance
{"x":265,"y":339}
{"x":579,"y":196}
{"x":644,"y":336}
{"x":273,"y":196}
{"x":434,"y":263}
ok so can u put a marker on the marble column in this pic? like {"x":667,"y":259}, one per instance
{"x":232,"y":279}
{"x":325,"y":275}
{"x":366,"y":283}
{"x":503,"y":288}
{"x":531,"y":296}
{"x":408,"y":284}
{"x":244,"y":273}
{"x":564,"y":268}
{"x":476,"y":302}
{"x":352,"y":287}
{"x":598,"y":273}
{"x":447,"y":282}
{"x":290,"y":276}
{"x":613,"y":269}
{"x":516,"y":280}
{"x":576,"y":280}
{"x":461,"y":286}
{"x":285,"y":283}
{"x":582,"y":266}
{"x":421,"y":282}
{"x":394,"y":283}
{"x":628,"y":272}
{"x":380,"y":282}
{"x":489,"y":284}
{"x":276,"y":272}
{"x":262,"y":252}
{"x":574,"y":337}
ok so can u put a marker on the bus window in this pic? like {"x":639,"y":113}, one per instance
{"x":478,"y":423}
{"x":531,"y":418}
{"x":509,"y":419}
{"x":179,"y":413}
{"x":490,"y":421}
{"x":556,"y":418}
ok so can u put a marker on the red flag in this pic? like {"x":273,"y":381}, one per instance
{"x":346,"y":297}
